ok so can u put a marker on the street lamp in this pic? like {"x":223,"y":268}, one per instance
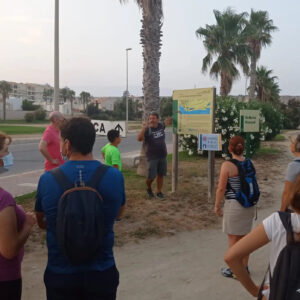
{"x":127,"y":49}
{"x":56,"y":57}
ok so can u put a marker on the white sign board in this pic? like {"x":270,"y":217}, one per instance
{"x":209,"y":142}
{"x":249,"y":120}
{"x":102,"y":127}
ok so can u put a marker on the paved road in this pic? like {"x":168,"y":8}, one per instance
{"x":28,"y":158}
{"x":24,"y":175}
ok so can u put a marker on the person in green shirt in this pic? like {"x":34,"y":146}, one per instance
{"x":110,"y":151}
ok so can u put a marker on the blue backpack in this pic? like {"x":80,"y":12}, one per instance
{"x":80,"y":218}
{"x":249,"y":193}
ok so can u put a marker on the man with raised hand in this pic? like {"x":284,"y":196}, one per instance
{"x":153,"y":135}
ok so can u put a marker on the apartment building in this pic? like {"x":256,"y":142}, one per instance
{"x":29,"y":91}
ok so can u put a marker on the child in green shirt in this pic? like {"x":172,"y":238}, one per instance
{"x":110,"y":151}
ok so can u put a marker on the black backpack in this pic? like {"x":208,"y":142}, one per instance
{"x":285,"y":282}
{"x":249,"y":193}
{"x":80,"y":218}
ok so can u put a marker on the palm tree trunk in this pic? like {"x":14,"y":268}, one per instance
{"x":252,"y":76}
{"x":4,"y":107}
{"x":223,"y":85}
{"x":151,"y":40}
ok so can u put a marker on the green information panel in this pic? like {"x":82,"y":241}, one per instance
{"x":249,"y":120}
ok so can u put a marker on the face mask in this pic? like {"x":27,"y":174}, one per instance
{"x":8,"y":160}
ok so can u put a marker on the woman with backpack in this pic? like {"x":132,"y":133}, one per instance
{"x":292,"y":171}
{"x":15,"y":227}
{"x":281,"y":230}
{"x":237,"y":219}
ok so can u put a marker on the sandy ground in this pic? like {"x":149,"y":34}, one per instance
{"x":183,"y":266}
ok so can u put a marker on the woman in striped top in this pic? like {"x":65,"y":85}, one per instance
{"x":237,"y":220}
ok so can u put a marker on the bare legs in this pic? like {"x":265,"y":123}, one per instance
{"x":232,"y":239}
{"x":159,"y":183}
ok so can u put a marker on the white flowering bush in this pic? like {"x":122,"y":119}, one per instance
{"x":227,"y":124}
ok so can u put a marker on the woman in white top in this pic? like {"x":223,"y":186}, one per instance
{"x":292,"y":171}
{"x":270,"y":230}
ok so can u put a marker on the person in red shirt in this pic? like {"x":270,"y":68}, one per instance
{"x":50,"y":144}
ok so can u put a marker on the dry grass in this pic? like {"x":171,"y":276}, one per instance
{"x":186,"y":210}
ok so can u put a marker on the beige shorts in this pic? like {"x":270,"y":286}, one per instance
{"x":237,"y":220}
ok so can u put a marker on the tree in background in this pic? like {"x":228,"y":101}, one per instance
{"x":151,"y":34}
{"x":291,"y":113}
{"x":48,"y":94}
{"x":68,"y":94}
{"x":258,"y":31}
{"x":226,"y":42}
{"x":5,"y":89}
{"x":267,"y":87}
{"x":166,"y":107}
{"x":85,"y":98}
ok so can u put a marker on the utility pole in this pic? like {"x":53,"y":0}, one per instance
{"x":127,"y":49}
{"x":56,"y":57}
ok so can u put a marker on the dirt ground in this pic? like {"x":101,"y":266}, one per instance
{"x":173,"y":249}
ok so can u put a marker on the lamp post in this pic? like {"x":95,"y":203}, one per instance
{"x":56,"y":57}
{"x":127,"y":49}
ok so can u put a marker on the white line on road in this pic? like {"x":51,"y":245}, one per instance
{"x":21,"y":174}
{"x":28,"y":184}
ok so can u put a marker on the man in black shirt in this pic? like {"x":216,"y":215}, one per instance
{"x":153,"y":134}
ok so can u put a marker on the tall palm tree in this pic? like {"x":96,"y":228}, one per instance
{"x":267,"y":87}
{"x":258,"y":30}
{"x":71,"y":97}
{"x":5,"y":89}
{"x":85,"y":98}
{"x":226,"y":42}
{"x":150,"y":34}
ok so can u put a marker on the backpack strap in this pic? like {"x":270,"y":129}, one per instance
{"x":61,"y":179}
{"x":97,"y":176}
{"x":286,"y":220}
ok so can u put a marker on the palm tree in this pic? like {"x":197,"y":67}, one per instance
{"x":267,"y":87}
{"x":71,"y":97}
{"x":85,"y":98}
{"x":258,"y":31}
{"x":226,"y":41}
{"x":150,"y":34}
{"x":5,"y":89}
{"x":64,"y":94}
{"x":48,"y":94}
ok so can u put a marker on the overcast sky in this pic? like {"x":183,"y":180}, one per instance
{"x":95,"y":33}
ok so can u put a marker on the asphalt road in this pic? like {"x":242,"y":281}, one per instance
{"x":28,"y":158}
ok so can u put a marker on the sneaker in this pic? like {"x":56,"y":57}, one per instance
{"x":160,"y":195}
{"x":150,"y":193}
{"x":226,"y":272}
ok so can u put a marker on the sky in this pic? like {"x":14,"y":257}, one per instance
{"x":95,"y":33}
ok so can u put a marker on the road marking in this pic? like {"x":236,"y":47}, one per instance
{"x":28,"y":184}
{"x":21,"y":174}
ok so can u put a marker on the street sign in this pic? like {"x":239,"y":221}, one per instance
{"x":102,"y":127}
{"x":209,"y":142}
{"x":193,"y":110}
{"x":249,"y":120}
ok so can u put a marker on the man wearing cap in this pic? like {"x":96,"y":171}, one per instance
{"x":50,"y":144}
{"x":153,"y":135}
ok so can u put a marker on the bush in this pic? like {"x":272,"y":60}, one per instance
{"x":28,"y":105}
{"x":40,"y":114}
{"x":227,"y":124}
{"x":291,"y":114}
{"x":29,"y":117}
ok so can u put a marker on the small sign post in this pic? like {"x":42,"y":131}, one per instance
{"x":249,"y":123}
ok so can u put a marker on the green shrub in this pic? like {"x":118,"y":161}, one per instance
{"x":227,"y":124}
{"x":28,"y":105}
{"x":29,"y":117}
{"x":291,"y":114}
{"x":40,"y":114}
